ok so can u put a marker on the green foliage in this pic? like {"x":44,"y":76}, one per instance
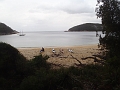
{"x":71,"y":78}
{"x":13,"y":66}
{"x":109,"y":12}
{"x":48,"y":80}
{"x":40,"y":62}
{"x":11,"y":61}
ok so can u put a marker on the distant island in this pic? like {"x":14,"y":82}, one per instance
{"x":86,"y":27}
{"x":6,"y":30}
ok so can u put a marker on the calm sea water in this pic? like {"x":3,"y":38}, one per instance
{"x":50,"y":38}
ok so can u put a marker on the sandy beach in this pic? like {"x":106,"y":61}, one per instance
{"x":63,"y":56}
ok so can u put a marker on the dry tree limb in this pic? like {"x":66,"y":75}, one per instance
{"x":59,"y":65}
{"x":87,"y":58}
{"x":77,"y":60}
{"x":95,"y":59}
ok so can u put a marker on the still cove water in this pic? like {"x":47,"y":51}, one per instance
{"x":51,"y":39}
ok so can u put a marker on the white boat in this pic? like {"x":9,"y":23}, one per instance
{"x":21,"y":34}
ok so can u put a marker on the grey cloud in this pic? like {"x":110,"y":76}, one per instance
{"x":70,"y":7}
{"x":69,"y":10}
{"x":78,"y":10}
{"x":77,"y":7}
{"x":42,"y":8}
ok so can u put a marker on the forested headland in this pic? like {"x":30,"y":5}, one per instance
{"x":86,"y":27}
{"x":6,"y":30}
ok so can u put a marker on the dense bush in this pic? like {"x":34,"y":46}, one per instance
{"x":40,"y":62}
{"x":13,"y":66}
{"x":11,"y":61}
{"x":109,"y":12}
{"x":87,"y":78}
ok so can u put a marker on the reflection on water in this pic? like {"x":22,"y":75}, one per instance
{"x":51,"y":38}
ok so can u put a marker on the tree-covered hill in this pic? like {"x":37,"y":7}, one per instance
{"x":87,"y":27}
{"x":5,"y":30}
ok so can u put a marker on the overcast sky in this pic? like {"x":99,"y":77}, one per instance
{"x":47,"y":15}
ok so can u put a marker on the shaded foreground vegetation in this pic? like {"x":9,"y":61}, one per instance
{"x":17,"y":73}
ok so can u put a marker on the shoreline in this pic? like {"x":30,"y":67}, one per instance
{"x":56,"y":46}
{"x":64,"y":59}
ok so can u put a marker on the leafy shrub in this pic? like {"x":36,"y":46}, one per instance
{"x":64,"y":79}
{"x":40,"y":62}
{"x":12,"y":65}
{"x":11,"y":61}
{"x":49,"y":80}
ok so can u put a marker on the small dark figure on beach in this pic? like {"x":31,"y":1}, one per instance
{"x":42,"y":50}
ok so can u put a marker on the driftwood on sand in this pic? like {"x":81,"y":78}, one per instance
{"x":62,"y":57}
